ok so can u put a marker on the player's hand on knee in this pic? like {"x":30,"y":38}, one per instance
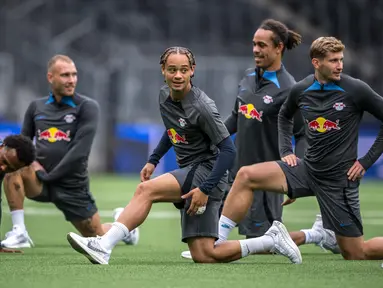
{"x":147,"y":172}
{"x":291,"y":160}
{"x":288,"y":201}
{"x":198,"y":201}
{"x":356,"y":172}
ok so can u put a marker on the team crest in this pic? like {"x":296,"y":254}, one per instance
{"x":182,"y":122}
{"x":339,"y":106}
{"x":267,"y":99}
{"x":69,"y":118}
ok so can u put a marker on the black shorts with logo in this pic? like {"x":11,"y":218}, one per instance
{"x":206,"y":224}
{"x":339,"y":206}
{"x":77,"y":204}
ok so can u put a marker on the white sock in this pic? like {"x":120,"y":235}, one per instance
{"x":18,"y":218}
{"x":224,"y":228}
{"x":116,"y":233}
{"x":312,"y":236}
{"x":256,"y":245}
{"x":118,"y":214}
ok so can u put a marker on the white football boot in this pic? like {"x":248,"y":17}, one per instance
{"x":89,"y":247}
{"x":17,"y":238}
{"x":283,"y":244}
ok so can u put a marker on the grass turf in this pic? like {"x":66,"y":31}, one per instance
{"x":156,"y":261}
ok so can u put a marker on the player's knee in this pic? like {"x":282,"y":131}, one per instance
{"x":202,"y":250}
{"x":145,"y":189}
{"x":9,"y":177}
{"x":88,"y":228}
{"x":202,"y":257}
{"x":245,"y":175}
{"x":12,"y":180}
{"x":353,"y":254}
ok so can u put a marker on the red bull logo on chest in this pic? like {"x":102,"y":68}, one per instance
{"x":53,"y":134}
{"x":250,"y":112}
{"x":322,"y":125}
{"x":175,"y":137}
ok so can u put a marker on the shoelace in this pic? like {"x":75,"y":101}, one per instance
{"x":95,"y":245}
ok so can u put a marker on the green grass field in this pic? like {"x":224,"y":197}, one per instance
{"x":156,"y":261}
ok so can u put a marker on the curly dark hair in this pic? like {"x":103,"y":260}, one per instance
{"x":25,"y":149}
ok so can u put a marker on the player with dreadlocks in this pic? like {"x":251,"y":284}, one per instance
{"x":204,"y":153}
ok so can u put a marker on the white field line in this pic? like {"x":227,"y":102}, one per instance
{"x":371,"y":217}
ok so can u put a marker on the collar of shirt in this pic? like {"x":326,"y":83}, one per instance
{"x":326,"y":86}
{"x":270,"y":75}
{"x":68,"y":100}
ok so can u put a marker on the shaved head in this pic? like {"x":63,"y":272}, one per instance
{"x":56,"y":58}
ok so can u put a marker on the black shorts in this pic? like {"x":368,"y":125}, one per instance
{"x":206,"y":224}
{"x":339,"y":206}
{"x":77,"y":204}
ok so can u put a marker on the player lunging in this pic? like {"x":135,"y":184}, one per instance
{"x":204,"y":152}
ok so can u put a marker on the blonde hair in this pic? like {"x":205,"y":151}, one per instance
{"x":56,"y":58}
{"x":322,"y":45}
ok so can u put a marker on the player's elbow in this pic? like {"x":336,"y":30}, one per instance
{"x":282,"y":117}
{"x":286,"y":112}
{"x":230,"y":153}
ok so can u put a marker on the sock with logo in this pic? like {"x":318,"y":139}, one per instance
{"x":18,"y":218}
{"x":256,"y":245}
{"x":312,"y":236}
{"x":116,"y":233}
{"x":224,"y":228}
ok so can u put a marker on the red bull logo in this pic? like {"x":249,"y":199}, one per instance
{"x":323,"y":125}
{"x":250,"y":112}
{"x":175,"y":137}
{"x":53,"y":134}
